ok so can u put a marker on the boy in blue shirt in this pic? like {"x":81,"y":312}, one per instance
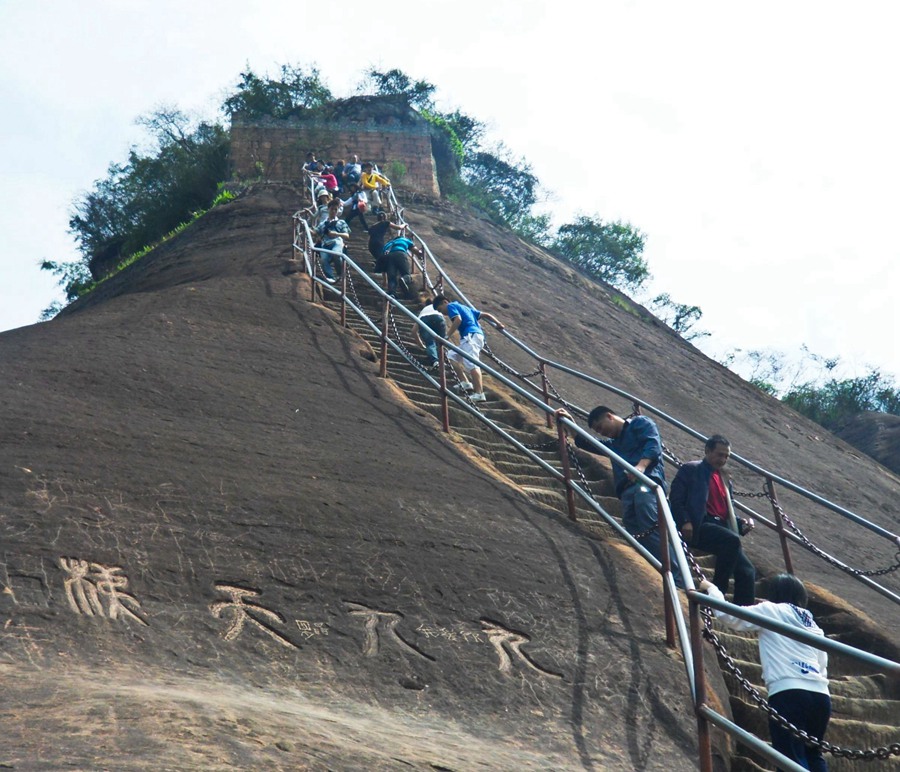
{"x":464,"y":319}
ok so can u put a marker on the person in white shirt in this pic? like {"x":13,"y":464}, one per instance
{"x":796,"y":674}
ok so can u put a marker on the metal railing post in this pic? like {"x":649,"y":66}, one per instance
{"x":545,"y":390}
{"x":384,"y":338}
{"x":442,"y":376}
{"x":312,"y":280}
{"x":343,"y":292}
{"x":779,"y":523}
{"x":666,"y":559}
{"x":567,"y":469}
{"x":703,"y":737}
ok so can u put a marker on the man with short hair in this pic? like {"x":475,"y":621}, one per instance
{"x":637,"y":441}
{"x":701,"y":506}
{"x":464,"y":319}
{"x":332,"y":232}
{"x":352,"y":171}
{"x":370,"y":180}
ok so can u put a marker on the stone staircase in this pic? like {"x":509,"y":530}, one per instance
{"x":866,"y":704}
{"x":503,"y":406}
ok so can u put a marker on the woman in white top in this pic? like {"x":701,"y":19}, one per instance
{"x":796,"y":674}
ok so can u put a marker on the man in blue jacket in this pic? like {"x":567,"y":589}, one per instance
{"x":637,"y":441}
{"x":701,"y":506}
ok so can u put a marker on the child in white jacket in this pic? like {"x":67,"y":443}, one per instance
{"x":796,"y":674}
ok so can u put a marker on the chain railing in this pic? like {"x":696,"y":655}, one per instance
{"x":552,"y":396}
{"x":688,"y":567}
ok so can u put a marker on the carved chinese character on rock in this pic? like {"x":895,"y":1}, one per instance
{"x":243,"y":611}
{"x":508,"y":645}
{"x":96,"y":590}
{"x":374,"y":619}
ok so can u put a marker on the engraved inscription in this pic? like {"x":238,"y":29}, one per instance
{"x":374,"y":618}
{"x":243,"y":611}
{"x":508,"y":645}
{"x":88,"y":585}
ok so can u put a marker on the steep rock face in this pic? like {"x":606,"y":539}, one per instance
{"x":229,"y":544}
{"x":305,"y":571}
{"x":877,"y":435}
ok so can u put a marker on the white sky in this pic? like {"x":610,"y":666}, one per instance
{"x":755,"y":144}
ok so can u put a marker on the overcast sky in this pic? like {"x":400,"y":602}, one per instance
{"x":756,"y":145}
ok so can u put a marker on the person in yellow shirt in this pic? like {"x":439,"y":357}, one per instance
{"x":370,"y":181}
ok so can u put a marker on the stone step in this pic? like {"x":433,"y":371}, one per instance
{"x":851,"y":733}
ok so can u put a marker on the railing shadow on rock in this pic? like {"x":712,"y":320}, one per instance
{"x":687,"y":637}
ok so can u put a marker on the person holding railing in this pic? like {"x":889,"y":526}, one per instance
{"x":396,"y":262}
{"x":700,"y":500}
{"x":434,"y":321}
{"x":319,"y":212}
{"x":636,"y":440}
{"x":333,"y":232}
{"x":370,"y":181}
{"x":358,"y":202}
{"x":378,"y":233}
{"x":796,"y":673}
{"x":352,"y":172}
{"x":464,"y":319}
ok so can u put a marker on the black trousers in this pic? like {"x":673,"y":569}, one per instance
{"x":806,"y":710}
{"x":397,"y":267}
{"x":725,"y":544}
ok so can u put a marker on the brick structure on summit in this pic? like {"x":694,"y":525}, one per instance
{"x":383,"y":130}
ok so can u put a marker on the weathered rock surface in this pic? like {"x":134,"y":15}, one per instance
{"x":229,"y":544}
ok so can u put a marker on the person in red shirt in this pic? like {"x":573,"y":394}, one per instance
{"x":700,"y":499}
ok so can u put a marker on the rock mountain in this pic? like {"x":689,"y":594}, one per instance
{"x":228,"y":543}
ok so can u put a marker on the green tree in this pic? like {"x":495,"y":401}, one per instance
{"x":298,"y":90}
{"x":138,"y":202}
{"x":607,"y":251}
{"x":679,"y":316}
{"x":502,"y":186}
{"x":835,"y":401}
{"x":419,"y":92}
{"x":468,"y":130}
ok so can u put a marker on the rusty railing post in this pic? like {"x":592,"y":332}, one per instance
{"x":343,"y":291}
{"x":442,"y":376}
{"x":384,"y":338}
{"x":545,"y":390}
{"x":779,"y":523}
{"x":703,"y":737}
{"x":666,"y":559}
{"x":567,"y":469}
{"x":312,"y":279}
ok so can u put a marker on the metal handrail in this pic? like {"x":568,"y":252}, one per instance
{"x":684,"y":636}
{"x":752,"y":467}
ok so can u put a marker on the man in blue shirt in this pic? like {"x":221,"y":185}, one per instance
{"x":464,"y":319}
{"x":637,"y":441}
{"x":396,"y":264}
